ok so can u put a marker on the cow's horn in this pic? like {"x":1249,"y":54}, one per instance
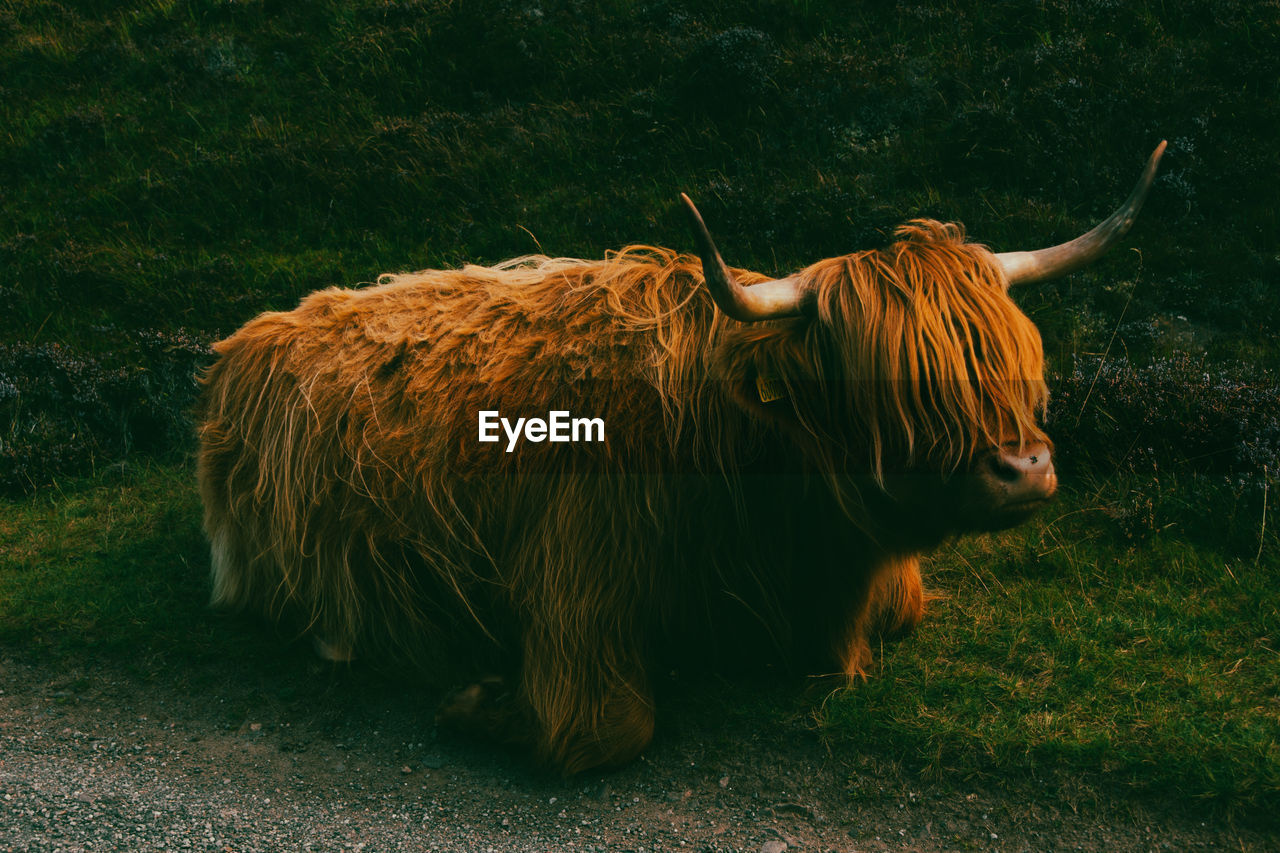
{"x":765,"y":301}
{"x":1042,"y":264}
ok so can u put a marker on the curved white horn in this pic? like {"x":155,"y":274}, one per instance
{"x":768,"y":300}
{"x":1043,"y":264}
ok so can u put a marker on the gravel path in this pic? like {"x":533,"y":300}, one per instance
{"x":296,"y":756}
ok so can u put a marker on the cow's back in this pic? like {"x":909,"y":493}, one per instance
{"x":342,"y":477}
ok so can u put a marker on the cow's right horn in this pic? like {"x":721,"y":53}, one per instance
{"x":768,"y":300}
{"x":1043,"y":264}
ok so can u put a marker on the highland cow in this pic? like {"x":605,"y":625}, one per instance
{"x":776,"y":457}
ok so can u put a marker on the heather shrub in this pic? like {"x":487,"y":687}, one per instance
{"x":65,"y":410}
{"x":325,"y":143}
{"x":1177,"y":444}
{"x":729,"y":71}
{"x":1176,"y":413}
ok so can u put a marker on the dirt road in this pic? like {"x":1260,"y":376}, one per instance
{"x":297,"y":756}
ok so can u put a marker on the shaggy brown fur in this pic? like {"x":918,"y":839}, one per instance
{"x":344,"y":486}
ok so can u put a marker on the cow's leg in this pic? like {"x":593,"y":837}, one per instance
{"x":853,"y":648}
{"x":565,"y":722}
{"x":569,"y":710}
{"x":890,"y":605}
{"x":587,"y":718}
{"x":897,"y":598}
{"x":584,"y":578}
{"x":261,"y":585}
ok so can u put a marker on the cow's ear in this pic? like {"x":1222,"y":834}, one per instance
{"x":753,"y":359}
{"x":766,"y":397}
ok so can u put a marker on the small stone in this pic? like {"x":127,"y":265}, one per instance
{"x":773,"y":847}
{"x":406,"y":770}
{"x":724,"y":781}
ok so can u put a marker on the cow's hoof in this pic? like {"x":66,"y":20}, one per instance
{"x":856,"y":661}
{"x":487,"y":709}
{"x":333,"y":652}
{"x":480,"y":698}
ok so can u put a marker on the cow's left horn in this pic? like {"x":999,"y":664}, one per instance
{"x":1043,"y":264}
{"x":768,"y":300}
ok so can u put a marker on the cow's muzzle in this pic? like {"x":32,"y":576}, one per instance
{"x":1017,"y":480}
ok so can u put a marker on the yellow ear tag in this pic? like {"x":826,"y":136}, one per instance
{"x":769,"y":389}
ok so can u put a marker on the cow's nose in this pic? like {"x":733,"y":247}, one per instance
{"x":1021,"y":475}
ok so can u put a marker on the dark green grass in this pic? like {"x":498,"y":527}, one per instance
{"x":1062,"y":647}
{"x":113,"y":563}
{"x":173,"y":167}
{"x":187,"y":163}
{"x":1065,"y":646}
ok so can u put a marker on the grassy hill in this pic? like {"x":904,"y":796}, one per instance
{"x":172,"y":168}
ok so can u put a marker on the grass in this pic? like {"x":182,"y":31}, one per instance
{"x":175,"y":166}
{"x":114,"y":562}
{"x":187,"y":162}
{"x":1057,"y":648}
